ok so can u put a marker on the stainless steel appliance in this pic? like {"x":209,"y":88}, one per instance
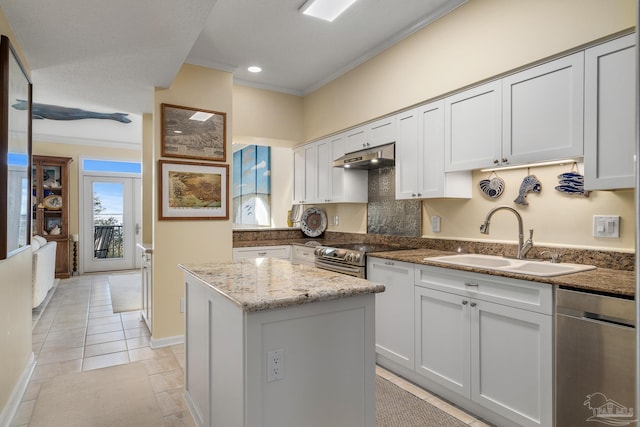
{"x":595,"y":360}
{"x":349,"y":258}
{"x":371,"y":158}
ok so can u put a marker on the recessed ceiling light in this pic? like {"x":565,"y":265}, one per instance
{"x":326,"y":9}
{"x":254,"y":69}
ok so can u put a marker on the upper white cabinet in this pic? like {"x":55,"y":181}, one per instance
{"x":420,"y":157}
{"x":610,"y":113}
{"x":317,"y":181}
{"x":473,"y":128}
{"x":543,"y":112}
{"x":373,"y":134}
{"x":305,"y":172}
{"x":531,"y":116}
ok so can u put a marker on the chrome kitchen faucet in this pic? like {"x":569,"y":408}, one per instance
{"x":523,"y":247}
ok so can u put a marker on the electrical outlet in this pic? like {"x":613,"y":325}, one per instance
{"x":275,"y":365}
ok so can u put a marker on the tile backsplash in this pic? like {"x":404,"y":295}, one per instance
{"x":385,"y":214}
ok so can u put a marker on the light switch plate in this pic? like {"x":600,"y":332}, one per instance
{"x":606,"y":226}
{"x":435,"y":224}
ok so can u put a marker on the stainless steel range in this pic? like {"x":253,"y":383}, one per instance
{"x":349,"y":258}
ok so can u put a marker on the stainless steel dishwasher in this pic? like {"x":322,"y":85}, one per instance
{"x":595,"y":360}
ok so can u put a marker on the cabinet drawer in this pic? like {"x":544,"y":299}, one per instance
{"x":516,"y":293}
{"x":262,"y":251}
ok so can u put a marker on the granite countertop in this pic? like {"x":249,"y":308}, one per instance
{"x":309,"y":242}
{"x":603,"y":280}
{"x":268,"y":283}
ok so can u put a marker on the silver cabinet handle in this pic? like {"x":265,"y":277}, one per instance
{"x":389,"y":263}
{"x":473,"y":304}
{"x":471,"y":284}
{"x":465,"y":302}
{"x":262,"y":253}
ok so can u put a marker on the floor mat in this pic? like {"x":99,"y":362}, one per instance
{"x":126,"y":291}
{"x":396,"y":407}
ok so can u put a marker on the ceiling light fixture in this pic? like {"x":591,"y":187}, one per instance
{"x":254,"y":69}
{"x":531,"y":165}
{"x":325,"y":9}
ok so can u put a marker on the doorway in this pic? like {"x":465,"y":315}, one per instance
{"x":111,"y":219}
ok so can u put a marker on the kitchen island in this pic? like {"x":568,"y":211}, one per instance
{"x":269,"y":343}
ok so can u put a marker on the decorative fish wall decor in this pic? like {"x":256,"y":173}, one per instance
{"x":572,"y":183}
{"x":56,"y":112}
{"x":529,"y":184}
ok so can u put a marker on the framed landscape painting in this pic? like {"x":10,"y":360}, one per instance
{"x":193,"y":133}
{"x":193,"y":190}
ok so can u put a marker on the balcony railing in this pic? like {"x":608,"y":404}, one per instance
{"x":108,"y":241}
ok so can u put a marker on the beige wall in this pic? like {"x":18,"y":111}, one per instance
{"x":147,"y":179}
{"x":15,"y":301}
{"x":187,"y":241}
{"x":479,"y":40}
{"x":264,"y":117}
{"x":557,"y":219}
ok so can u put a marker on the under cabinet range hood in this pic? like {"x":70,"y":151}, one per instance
{"x":370,"y":158}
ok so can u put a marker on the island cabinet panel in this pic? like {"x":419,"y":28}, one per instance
{"x":610,"y":115}
{"x":394,"y":309}
{"x":327,"y":350}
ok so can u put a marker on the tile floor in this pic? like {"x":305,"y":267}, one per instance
{"x":78,"y":331}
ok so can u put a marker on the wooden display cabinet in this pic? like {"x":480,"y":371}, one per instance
{"x":50,"y":206}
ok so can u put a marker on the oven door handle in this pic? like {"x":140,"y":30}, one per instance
{"x":352,"y":271}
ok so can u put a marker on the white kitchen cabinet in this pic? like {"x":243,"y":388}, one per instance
{"x":316,"y":181}
{"x":420,"y":157}
{"x":394,"y":309}
{"x":489,"y":339}
{"x":283,"y":251}
{"x":303,"y":255}
{"x":473,"y":128}
{"x":543,"y":112}
{"x":610,"y":114}
{"x":305,"y":174}
{"x":379,"y":132}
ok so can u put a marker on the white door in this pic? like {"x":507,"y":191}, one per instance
{"x":111,"y":223}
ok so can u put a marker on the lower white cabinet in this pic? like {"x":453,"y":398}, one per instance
{"x":473,"y":337}
{"x":283,"y":252}
{"x":394,"y":309}
{"x":303,"y":255}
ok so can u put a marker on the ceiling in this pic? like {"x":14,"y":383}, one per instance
{"x":111,"y":54}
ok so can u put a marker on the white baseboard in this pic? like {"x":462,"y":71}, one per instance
{"x":166,"y":342}
{"x":10,"y":409}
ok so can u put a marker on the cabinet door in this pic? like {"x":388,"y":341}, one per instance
{"x":511,"y":362}
{"x":382,"y":132}
{"x":298,"y":175}
{"x":356,"y":139}
{"x":442,"y":339}
{"x":473,"y":128}
{"x":348,"y":185}
{"x":283,"y":252}
{"x":610,"y":113}
{"x":394,"y":309}
{"x":407,"y":155}
{"x":310,"y":173}
{"x":543,"y":112}
{"x":324,"y":158}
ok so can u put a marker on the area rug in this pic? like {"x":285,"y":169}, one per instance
{"x":126,"y":291}
{"x":396,"y":407}
{"x":117,"y":396}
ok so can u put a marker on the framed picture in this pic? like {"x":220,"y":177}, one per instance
{"x":193,"y":133}
{"x":193,"y":190}
{"x":15,"y":151}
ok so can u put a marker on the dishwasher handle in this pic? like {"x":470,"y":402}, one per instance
{"x":596,"y":307}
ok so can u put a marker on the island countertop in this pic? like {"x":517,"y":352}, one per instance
{"x":268,"y":283}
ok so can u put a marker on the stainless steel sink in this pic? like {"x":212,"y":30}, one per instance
{"x":498,"y":263}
